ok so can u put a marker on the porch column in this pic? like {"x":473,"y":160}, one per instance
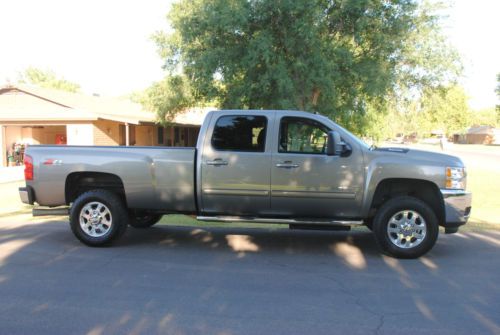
{"x":2,"y":143}
{"x":127,"y":134}
{"x":171,"y":136}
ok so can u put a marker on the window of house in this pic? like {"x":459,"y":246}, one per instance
{"x":240,"y":133}
{"x":301,"y":135}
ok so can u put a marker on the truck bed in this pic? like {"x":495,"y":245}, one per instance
{"x":153,"y":177}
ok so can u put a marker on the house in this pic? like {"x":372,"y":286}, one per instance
{"x":34,"y":115}
{"x":482,"y":135}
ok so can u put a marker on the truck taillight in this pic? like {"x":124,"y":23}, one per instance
{"x":28,"y":167}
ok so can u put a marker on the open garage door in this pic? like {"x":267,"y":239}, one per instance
{"x":16,"y":138}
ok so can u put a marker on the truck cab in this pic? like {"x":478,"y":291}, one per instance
{"x":275,"y":164}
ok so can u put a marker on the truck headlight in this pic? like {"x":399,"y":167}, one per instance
{"x":455,"y":178}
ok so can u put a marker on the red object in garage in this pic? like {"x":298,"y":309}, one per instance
{"x":61,"y":139}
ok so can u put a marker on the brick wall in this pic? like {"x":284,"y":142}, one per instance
{"x":107,"y":133}
{"x":145,"y":135}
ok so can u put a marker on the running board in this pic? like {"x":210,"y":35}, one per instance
{"x":50,"y":211}
{"x":319,"y":227}
{"x":280,"y":221}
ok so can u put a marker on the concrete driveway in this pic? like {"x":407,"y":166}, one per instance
{"x":178,"y":280}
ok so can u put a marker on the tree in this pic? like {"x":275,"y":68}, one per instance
{"x":497,"y":90}
{"x":167,"y":97}
{"x":498,"y":94}
{"x":485,"y":117}
{"x":445,"y":108}
{"x":48,"y":79}
{"x":339,"y":58}
{"x":427,"y":63}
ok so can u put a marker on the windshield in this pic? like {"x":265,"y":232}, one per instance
{"x":351,"y":135}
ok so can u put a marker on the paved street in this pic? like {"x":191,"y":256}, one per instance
{"x":178,"y":280}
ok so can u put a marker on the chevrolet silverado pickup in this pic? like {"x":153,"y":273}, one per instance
{"x":260,"y":166}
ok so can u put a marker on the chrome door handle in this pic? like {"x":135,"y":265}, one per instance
{"x":216,"y":162}
{"x":287,"y":165}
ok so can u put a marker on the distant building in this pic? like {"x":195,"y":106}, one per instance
{"x":482,"y":135}
{"x":33,"y":115}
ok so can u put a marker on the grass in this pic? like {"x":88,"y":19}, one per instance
{"x":484,"y":185}
{"x":9,"y":199}
{"x":483,"y":181}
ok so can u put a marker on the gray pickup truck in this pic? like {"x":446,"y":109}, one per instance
{"x":260,"y":166}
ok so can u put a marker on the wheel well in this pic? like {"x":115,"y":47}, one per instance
{"x":424,"y":190}
{"x":80,"y":182}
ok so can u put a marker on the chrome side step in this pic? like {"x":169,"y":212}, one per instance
{"x":280,"y":220}
{"x":50,"y":211}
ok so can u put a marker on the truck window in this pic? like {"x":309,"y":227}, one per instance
{"x":302,"y":136}
{"x":240,"y":133}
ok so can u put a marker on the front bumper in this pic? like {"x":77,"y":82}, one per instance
{"x":27,"y":195}
{"x":457,"y":205}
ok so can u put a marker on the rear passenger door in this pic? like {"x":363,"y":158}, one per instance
{"x":235,"y":165}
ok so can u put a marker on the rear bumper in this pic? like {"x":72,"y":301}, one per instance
{"x":27,"y":195}
{"x":457,"y":204}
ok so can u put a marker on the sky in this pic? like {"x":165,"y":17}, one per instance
{"x":473,"y":27}
{"x":103,"y":45}
{"x":106,"y":47}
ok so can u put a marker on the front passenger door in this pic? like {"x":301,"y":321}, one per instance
{"x":305,"y":181}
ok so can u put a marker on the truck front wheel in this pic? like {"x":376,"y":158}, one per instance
{"x":405,"y":227}
{"x":98,"y":217}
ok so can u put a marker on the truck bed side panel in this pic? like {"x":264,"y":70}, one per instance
{"x":153,"y":177}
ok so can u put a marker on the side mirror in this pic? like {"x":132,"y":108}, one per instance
{"x":334,"y":146}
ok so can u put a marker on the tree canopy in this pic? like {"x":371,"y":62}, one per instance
{"x":48,"y":79}
{"x":167,"y":97}
{"x":445,"y":108}
{"x":344,"y":59}
{"x":497,"y":90}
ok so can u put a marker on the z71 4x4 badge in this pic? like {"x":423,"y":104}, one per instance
{"x":50,"y":161}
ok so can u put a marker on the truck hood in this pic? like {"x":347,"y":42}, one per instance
{"x":422,"y":155}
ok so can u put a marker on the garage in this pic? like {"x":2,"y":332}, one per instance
{"x":31,"y":115}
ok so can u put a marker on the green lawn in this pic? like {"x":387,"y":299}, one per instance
{"x":484,"y":185}
{"x":483,"y":181}
{"x":9,"y":199}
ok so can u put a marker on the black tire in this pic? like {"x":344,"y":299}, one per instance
{"x":423,"y":216}
{"x":145,"y":220}
{"x":110,"y":223}
{"x":369,"y":224}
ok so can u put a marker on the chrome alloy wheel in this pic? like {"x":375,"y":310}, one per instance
{"x":95,"y":219}
{"x":406,"y":229}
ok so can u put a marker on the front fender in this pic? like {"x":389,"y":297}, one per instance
{"x":397,"y":166}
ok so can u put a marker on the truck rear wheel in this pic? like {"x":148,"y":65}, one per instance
{"x":405,"y":227}
{"x":98,"y":217}
{"x":145,"y":220}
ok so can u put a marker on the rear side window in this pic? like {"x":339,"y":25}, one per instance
{"x":240,"y":133}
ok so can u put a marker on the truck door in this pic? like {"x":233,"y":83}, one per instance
{"x":235,"y":165}
{"x":305,"y":182}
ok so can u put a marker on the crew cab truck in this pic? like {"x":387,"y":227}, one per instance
{"x":264,"y":166}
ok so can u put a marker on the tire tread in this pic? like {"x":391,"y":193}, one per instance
{"x":400,"y":203}
{"x":118,"y":211}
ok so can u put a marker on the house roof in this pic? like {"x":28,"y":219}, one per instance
{"x":481,"y":130}
{"x":26,"y":103}
{"x":192,"y":116}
